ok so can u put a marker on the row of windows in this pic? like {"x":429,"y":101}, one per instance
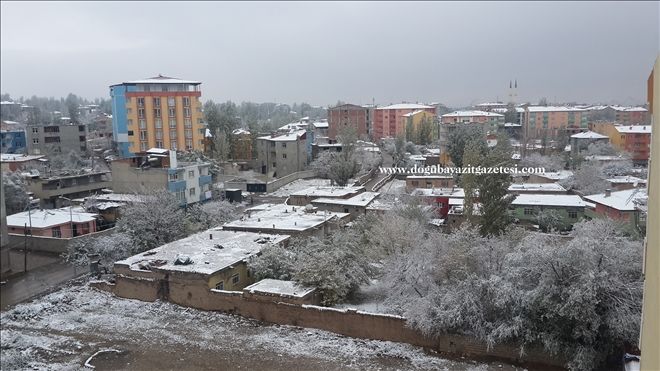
{"x":158,"y":122}
{"x":571,"y":213}
{"x":158,"y":113}
{"x":235,"y":279}
{"x":171,"y":101}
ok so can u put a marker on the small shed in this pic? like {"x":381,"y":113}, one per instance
{"x":282,"y":291}
{"x":233,"y":195}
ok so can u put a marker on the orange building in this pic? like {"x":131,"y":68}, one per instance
{"x":550,"y":122}
{"x":634,"y":139}
{"x":390,"y":121}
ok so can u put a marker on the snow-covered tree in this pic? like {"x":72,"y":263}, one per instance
{"x":109,"y":248}
{"x":550,"y":162}
{"x":16,"y":197}
{"x":200,"y":217}
{"x":460,"y":137}
{"x":551,"y":220}
{"x":588,"y":179}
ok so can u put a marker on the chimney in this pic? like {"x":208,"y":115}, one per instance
{"x":608,"y":192}
{"x":210,"y":236}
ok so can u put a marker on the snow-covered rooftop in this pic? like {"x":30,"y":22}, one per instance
{"x":363,"y":199}
{"x":240,"y":131}
{"x":625,"y":179}
{"x":288,"y":137}
{"x":589,"y":135}
{"x":321,"y":124}
{"x":49,"y":218}
{"x":119,"y":197}
{"x":536,"y":187}
{"x":282,"y":217}
{"x":210,"y":251}
{"x":433,"y":176}
{"x":619,"y":200}
{"x":557,"y":175}
{"x":633,"y":129}
{"x":413,"y":106}
{"x":413,"y":113}
{"x":280,"y":288}
{"x":554,"y":109}
{"x":163,"y":80}
{"x":10,"y":157}
{"x":439,"y":192}
{"x":327,"y":191}
{"x":472,"y":114}
{"x":548,"y":200}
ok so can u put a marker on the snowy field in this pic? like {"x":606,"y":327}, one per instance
{"x":63,"y":329}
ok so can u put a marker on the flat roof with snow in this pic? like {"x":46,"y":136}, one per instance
{"x":633,"y":129}
{"x":49,"y":218}
{"x":472,"y":114}
{"x":414,"y":106}
{"x":362,"y":200}
{"x":619,"y":200}
{"x":440,"y":192}
{"x":10,"y":157}
{"x":271,"y":286}
{"x":282,"y":217}
{"x":554,"y":109}
{"x":208,"y":255}
{"x":327,"y":191}
{"x":556,"y":175}
{"x":626,"y":179}
{"x":589,"y":135}
{"x":536,"y":187}
{"x":549,"y":200}
{"x":288,"y":137}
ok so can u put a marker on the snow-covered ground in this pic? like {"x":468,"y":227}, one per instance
{"x":63,"y":329}
{"x":395,"y":187}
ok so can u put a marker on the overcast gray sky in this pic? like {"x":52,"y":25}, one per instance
{"x":454,"y":53}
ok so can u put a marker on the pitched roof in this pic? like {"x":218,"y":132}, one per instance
{"x":548,"y":200}
{"x":619,"y":200}
{"x":413,"y":106}
{"x":589,"y":135}
{"x":633,"y":129}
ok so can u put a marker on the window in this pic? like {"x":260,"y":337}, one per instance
{"x":572,"y":214}
{"x":130,"y":122}
{"x":189,"y":144}
{"x":157,"y":112}
{"x":346,"y":210}
{"x":130,"y":133}
{"x":283,"y":145}
{"x":143,"y":123}
{"x":158,"y":123}
{"x":82,"y":138}
{"x":186,"y":101}
{"x":141,"y":113}
{"x":171,"y":102}
{"x":172,"y":122}
{"x":143,"y":146}
{"x":415,"y":183}
{"x":159,"y":134}
{"x":174,"y":176}
{"x":159,"y":143}
{"x":528,"y":211}
{"x":81,"y":127}
{"x":191,"y":191}
{"x":188,"y":133}
{"x":35,"y":130}
{"x":140,"y":102}
{"x":235,"y":279}
{"x":57,"y":232}
{"x":187,"y":122}
{"x":143,"y":135}
{"x":283,"y":155}
{"x":35,"y":140}
{"x":129,"y":110}
{"x":220,"y":285}
{"x":172,"y":112}
{"x":157,"y":102}
{"x":186,"y":111}
{"x":274,"y":164}
{"x":173,"y":145}
{"x":172,"y":134}
{"x":191,"y":173}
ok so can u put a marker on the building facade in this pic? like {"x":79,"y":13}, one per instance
{"x":56,"y":138}
{"x":551,"y":122}
{"x":390,"y":121}
{"x":283,"y":154}
{"x":57,"y":223}
{"x":634,"y":139}
{"x":349,"y":115}
{"x":159,"y":112}
{"x":421,"y":126}
{"x":49,"y":188}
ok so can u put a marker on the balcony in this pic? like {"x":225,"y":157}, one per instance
{"x":204,"y":179}
{"x":176,"y":186}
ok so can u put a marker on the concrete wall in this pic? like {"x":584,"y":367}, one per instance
{"x":127,"y":179}
{"x":280,"y":182}
{"x":346,"y":322}
{"x":50,"y":244}
{"x":67,"y":138}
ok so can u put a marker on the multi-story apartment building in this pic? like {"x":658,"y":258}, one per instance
{"x":158,"y":169}
{"x":620,"y":114}
{"x":414,"y":122}
{"x":634,"y":139}
{"x":12,"y":139}
{"x":56,"y":138}
{"x":283,"y":154}
{"x":350,"y":115}
{"x":390,"y":121}
{"x":54,"y":189}
{"x":551,"y":121}
{"x":159,"y":112}
{"x":473,"y":117}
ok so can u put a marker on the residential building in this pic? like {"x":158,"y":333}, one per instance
{"x":242,"y":148}
{"x":429,"y":181}
{"x":634,"y":139}
{"x":12,"y":137}
{"x":360,"y":118}
{"x":282,"y":154}
{"x":356,"y":205}
{"x":100,"y":132}
{"x":421,"y":126}
{"x":390,"y":122}
{"x":619,"y":205}
{"x":306,"y":196}
{"x":491,"y":106}
{"x":491,"y":119}
{"x":292,"y":220}
{"x":158,"y":112}
{"x":550,"y":177}
{"x":621,"y":183}
{"x":213,"y":259}
{"x":158,"y":169}
{"x":440,"y":199}
{"x":53,"y":189}
{"x":10,"y":110}
{"x":527,"y":208}
{"x":62,"y":137}
{"x":14,"y":162}
{"x":622,"y":115}
{"x":552,"y":121}
{"x":57,"y":223}
{"x":580,"y":142}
